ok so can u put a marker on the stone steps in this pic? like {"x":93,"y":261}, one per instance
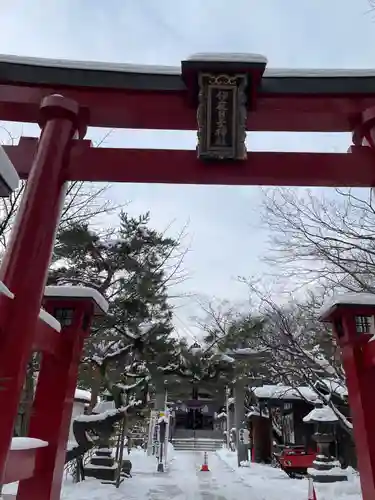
{"x":197,"y":434}
{"x":197,"y":444}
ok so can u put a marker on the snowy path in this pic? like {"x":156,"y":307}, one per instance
{"x":184,"y":480}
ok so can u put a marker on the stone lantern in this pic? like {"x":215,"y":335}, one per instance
{"x":325,"y":468}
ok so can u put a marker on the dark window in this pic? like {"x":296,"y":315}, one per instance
{"x":363,"y":324}
{"x":85,"y":322}
{"x":338,"y":328}
{"x":64,"y":316}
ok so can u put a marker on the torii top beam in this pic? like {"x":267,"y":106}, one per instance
{"x":220,"y":95}
{"x":155,"y":97}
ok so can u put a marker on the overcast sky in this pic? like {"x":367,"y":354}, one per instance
{"x":225,"y":236}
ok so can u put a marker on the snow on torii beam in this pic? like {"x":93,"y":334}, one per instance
{"x":152,"y":97}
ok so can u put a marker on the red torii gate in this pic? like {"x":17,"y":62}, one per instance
{"x":225,"y":96}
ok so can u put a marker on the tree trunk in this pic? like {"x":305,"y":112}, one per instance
{"x":95,"y":385}
{"x":27,"y":399}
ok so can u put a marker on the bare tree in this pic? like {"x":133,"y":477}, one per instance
{"x":216,"y":320}
{"x":301,"y":349}
{"x":318,"y":241}
{"x":83,"y":202}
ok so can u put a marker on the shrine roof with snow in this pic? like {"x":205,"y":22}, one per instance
{"x":284,"y":392}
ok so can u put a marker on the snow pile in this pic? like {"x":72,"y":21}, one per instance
{"x":269,"y":483}
{"x":7,"y":171}
{"x":111,"y":412}
{"x":221,"y":415}
{"x":5,"y":291}
{"x":245,"y":351}
{"x":100,"y":416}
{"x":50,"y":320}
{"x":286,"y":392}
{"x":71,"y":444}
{"x":245,"y":463}
{"x":323,"y":414}
{"x":231,"y":57}
{"x":336,"y":471}
{"x":227,"y":359}
{"x":334,"y":386}
{"x":171,"y":454}
{"x":104,"y":406}
{"x":27,"y":443}
{"x":82,"y":395}
{"x":257,"y":412}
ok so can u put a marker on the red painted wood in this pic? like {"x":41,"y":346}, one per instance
{"x":25,"y":265}
{"x":46,"y":338}
{"x":20,"y":465}
{"x":171,"y":110}
{"x":26,"y":262}
{"x":297,"y":460}
{"x":183,"y":167}
{"x":56,"y":386}
{"x":360,"y":379}
{"x":22,"y":155}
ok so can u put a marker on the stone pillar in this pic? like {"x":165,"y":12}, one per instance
{"x":160,"y":396}
{"x":228,"y":419}
{"x":239,"y":410}
{"x":159,"y":405}
{"x":325,"y":469}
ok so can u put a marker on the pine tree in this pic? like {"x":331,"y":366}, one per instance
{"x":128,"y":266}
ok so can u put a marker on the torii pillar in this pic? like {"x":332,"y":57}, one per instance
{"x":352,"y":317}
{"x":25,"y":265}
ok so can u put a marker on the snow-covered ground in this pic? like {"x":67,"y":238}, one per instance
{"x":183,"y":480}
{"x":269,"y":483}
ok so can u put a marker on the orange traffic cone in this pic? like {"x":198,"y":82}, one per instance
{"x":204,"y":467}
{"x":312,"y":494}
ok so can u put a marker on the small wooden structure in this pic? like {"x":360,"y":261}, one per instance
{"x":281,"y":410}
{"x":278,"y":430}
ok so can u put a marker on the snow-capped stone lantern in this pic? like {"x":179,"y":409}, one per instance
{"x":352,"y":319}
{"x":74,"y":306}
{"x":325,"y":468}
{"x":57,"y":379}
{"x":162,"y":427}
{"x":223,"y":88}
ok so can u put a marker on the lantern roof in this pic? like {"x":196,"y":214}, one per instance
{"x":78,"y":293}
{"x":321,"y":414}
{"x":346,"y":299}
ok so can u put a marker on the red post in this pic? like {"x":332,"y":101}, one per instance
{"x":53,"y":403}
{"x":352,"y":316}
{"x":25,"y":266}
